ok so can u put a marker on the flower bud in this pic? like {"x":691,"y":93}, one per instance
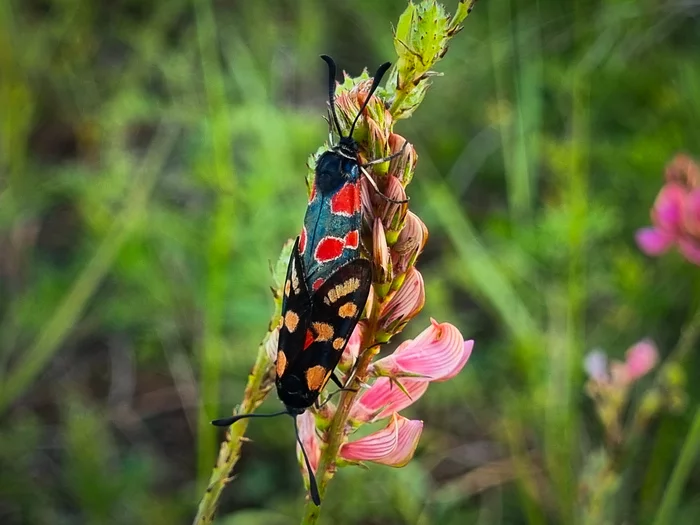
{"x":381,"y":261}
{"x":405,"y":304}
{"x":403,"y":166}
{"x":683,"y":170}
{"x":410,"y":244}
{"x":393,"y":214}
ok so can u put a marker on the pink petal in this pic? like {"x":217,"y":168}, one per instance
{"x":438,"y":353}
{"x":690,"y":248}
{"x":309,"y":437}
{"x":641,"y":358}
{"x":394,"y":445}
{"x":668,"y":208}
{"x":691,"y":216}
{"x":653,"y":241}
{"x":383,"y":399}
{"x":409,"y":434}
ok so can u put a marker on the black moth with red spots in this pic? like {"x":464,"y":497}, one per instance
{"x":327,"y":281}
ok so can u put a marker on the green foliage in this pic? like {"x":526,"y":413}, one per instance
{"x":152,"y":163}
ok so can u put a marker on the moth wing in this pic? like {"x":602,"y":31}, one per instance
{"x":296,"y":307}
{"x":336,"y":308}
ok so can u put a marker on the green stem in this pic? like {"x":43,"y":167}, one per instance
{"x":688,"y":339}
{"x":230,"y":451}
{"x":680,"y":473}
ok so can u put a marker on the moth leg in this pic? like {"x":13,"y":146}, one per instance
{"x":335,"y":379}
{"x":330,"y":396}
{"x":387,"y":158}
{"x":373,"y":183}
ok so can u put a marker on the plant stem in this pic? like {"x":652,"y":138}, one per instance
{"x":255,"y":392}
{"x":680,"y":473}
{"x":688,"y":338}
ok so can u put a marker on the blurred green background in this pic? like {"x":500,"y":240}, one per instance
{"x":153,"y":157}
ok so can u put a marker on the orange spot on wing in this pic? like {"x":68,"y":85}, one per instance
{"x":316,"y":377}
{"x":281,"y":363}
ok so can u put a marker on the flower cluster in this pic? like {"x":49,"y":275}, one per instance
{"x":676,"y":213}
{"x":394,"y":238}
{"x":609,"y":383}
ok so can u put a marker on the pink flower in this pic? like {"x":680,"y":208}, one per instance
{"x":312,"y":444}
{"x":437,"y":354}
{"x":676,"y":213}
{"x":394,"y":445}
{"x":666,"y":215}
{"x":641,"y":358}
{"x":383,"y":398}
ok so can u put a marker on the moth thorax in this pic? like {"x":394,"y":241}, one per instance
{"x":332,"y":171}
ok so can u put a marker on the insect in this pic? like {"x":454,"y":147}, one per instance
{"x":327,"y":281}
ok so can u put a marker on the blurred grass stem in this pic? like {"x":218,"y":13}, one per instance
{"x":68,"y":312}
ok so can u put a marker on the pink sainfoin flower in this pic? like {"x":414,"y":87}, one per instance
{"x":641,"y":359}
{"x":437,"y":354}
{"x":394,"y":445}
{"x":676,"y":213}
{"x":309,"y":438}
{"x":610,"y":383}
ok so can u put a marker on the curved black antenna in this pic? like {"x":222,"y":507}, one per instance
{"x":228,"y":421}
{"x":313,"y":488}
{"x":331,"y":90}
{"x":375,"y":84}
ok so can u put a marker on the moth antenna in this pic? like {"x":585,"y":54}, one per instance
{"x":228,"y":421}
{"x":313,"y":488}
{"x":331,"y":90}
{"x":375,"y":84}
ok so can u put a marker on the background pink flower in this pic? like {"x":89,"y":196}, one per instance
{"x":641,"y":359}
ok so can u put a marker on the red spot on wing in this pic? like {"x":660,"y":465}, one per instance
{"x":302,"y":240}
{"x":317,"y":284}
{"x":313,"y":192}
{"x":346,"y":200}
{"x":352,"y":240}
{"x":329,"y":249}
{"x":309,"y":339}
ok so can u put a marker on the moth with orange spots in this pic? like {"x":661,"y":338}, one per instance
{"x":328,"y":281}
